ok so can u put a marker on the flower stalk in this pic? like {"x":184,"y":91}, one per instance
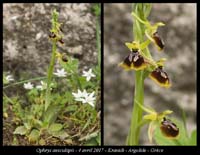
{"x":142,"y":11}
{"x":52,"y":62}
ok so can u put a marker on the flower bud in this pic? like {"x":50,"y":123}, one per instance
{"x":157,"y":40}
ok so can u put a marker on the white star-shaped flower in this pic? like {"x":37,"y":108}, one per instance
{"x":60,"y":73}
{"x":84,"y":97}
{"x":42,"y":86}
{"x":80,"y":95}
{"x":28,"y":85}
{"x":89,"y":99}
{"x":88,"y":74}
{"x":9,"y":78}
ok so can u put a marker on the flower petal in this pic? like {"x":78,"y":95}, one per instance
{"x":88,"y":78}
{"x":91,"y":103}
{"x":133,"y":46}
{"x":151,"y":117}
{"x":151,"y":129}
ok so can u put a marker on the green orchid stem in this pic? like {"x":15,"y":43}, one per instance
{"x":138,"y":32}
{"x":137,"y":111}
{"x":49,"y":76}
{"x":51,"y":66}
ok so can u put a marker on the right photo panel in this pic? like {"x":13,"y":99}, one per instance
{"x":150,"y":74}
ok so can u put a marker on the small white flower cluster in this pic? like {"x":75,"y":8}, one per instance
{"x":43,"y":85}
{"x":28,"y":85}
{"x":9,"y":78}
{"x":80,"y":96}
{"x":88,"y":74}
{"x":60,"y":73}
{"x":85,"y":97}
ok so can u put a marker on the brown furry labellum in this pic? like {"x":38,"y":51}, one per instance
{"x":61,"y":41}
{"x":52,"y":35}
{"x":160,"y":77}
{"x":168,"y":128}
{"x":134,"y":61}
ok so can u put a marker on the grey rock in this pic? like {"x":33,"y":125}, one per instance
{"x":26,"y":47}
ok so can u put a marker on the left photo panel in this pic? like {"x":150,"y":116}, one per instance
{"x":52,"y":74}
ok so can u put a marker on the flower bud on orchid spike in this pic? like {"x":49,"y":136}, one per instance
{"x":157,"y":40}
{"x":169,"y":129}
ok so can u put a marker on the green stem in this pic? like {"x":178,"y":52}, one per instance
{"x":138,"y":32}
{"x":53,"y":58}
{"x":137,"y":111}
{"x":49,"y":75}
